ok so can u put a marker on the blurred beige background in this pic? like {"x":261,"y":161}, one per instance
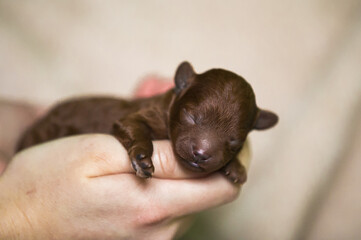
{"x":303,"y":59}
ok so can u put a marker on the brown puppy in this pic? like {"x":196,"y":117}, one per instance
{"x":206,"y":116}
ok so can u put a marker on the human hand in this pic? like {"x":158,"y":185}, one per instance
{"x":83,"y":187}
{"x":14,"y":118}
{"x":152,"y":85}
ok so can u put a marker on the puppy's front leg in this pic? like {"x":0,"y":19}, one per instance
{"x":135,"y":135}
{"x":235,"y":171}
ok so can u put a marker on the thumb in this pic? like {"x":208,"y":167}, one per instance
{"x":107,"y":156}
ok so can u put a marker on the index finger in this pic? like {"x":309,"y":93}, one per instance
{"x":109,"y":157}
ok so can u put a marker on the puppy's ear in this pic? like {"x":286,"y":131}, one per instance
{"x":265,"y":119}
{"x":183,"y":76}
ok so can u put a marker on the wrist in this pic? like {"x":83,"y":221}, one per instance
{"x":14,"y":222}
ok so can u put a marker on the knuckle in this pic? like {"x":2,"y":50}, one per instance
{"x":150,"y":215}
{"x":95,"y":146}
{"x":163,"y":157}
{"x":232,"y":194}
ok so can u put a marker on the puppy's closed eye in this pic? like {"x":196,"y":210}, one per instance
{"x":187,"y":117}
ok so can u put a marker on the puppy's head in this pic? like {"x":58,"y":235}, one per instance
{"x":211,"y":116}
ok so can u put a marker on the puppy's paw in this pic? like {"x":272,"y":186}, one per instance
{"x":236,"y":173}
{"x":141,"y":162}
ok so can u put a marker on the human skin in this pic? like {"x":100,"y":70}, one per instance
{"x":83,"y":187}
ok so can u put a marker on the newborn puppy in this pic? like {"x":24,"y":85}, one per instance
{"x":206,"y":116}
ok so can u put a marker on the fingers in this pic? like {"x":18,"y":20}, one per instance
{"x":153,"y":85}
{"x":106,"y":156}
{"x":183,"y":197}
{"x":101,"y":155}
{"x":170,"y":193}
{"x":166,"y":165}
{"x":158,"y":200}
{"x":173,"y":190}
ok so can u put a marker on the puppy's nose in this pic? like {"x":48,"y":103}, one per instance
{"x":200,"y":154}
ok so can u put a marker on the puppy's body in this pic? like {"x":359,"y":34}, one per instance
{"x":206,"y":116}
{"x":91,"y":115}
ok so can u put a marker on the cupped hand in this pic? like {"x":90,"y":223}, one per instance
{"x":83,"y":187}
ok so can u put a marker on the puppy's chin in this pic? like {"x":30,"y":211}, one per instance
{"x":192,"y":166}
{"x":204,"y":168}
